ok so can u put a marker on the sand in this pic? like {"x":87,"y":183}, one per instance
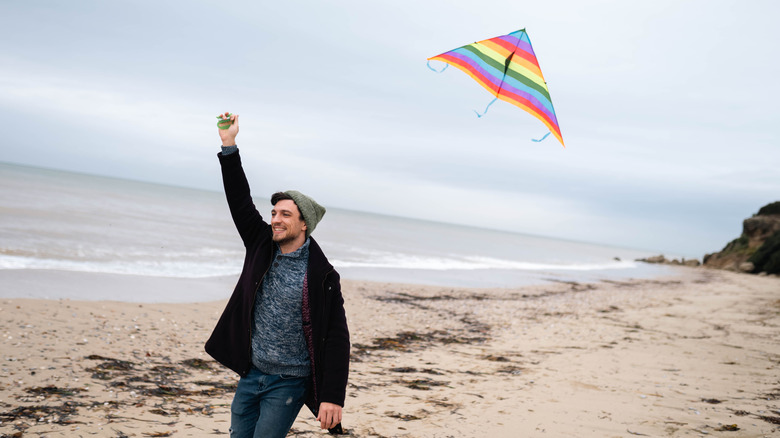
{"x":695,"y":354}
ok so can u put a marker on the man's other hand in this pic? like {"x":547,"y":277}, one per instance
{"x":329,"y":415}
{"x":228,"y":136}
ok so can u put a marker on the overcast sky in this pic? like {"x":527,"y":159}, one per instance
{"x":669,"y":109}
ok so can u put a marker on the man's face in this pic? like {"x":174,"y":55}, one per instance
{"x":286,"y":222}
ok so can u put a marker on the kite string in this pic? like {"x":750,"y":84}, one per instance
{"x":438,"y":71}
{"x":486,"y":108}
{"x":545,"y":136}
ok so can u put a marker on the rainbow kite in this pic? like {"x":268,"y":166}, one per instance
{"x":506,"y":66}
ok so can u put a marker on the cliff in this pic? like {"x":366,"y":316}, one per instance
{"x":757,"y":249}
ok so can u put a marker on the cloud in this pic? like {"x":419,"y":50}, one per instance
{"x":669,"y":119}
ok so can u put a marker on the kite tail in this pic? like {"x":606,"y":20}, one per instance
{"x":545,"y":136}
{"x":486,"y":108}
{"x":438,"y":71}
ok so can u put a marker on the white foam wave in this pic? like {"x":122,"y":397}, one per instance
{"x":400,"y":261}
{"x":154,"y":268}
{"x":181,"y":266}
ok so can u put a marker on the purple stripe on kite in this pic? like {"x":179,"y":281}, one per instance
{"x":521,"y":43}
{"x":477,"y":66}
{"x":525,"y":42}
{"x":541,"y":98}
{"x":526,"y":47}
{"x":517,"y":46}
{"x":534,"y":102}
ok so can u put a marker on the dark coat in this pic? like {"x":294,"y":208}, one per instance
{"x":328,"y":337}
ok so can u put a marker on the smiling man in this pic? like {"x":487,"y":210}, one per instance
{"x":284,"y":330}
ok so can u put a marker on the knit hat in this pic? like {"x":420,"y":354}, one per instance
{"x":311,"y":211}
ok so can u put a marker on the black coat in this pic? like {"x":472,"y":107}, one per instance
{"x":328,"y":339}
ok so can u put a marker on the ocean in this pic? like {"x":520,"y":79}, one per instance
{"x":56,"y":220}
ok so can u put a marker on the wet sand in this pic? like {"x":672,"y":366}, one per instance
{"x":695,"y":354}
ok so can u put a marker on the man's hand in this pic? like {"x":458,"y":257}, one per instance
{"x":228,"y":136}
{"x":329,"y":415}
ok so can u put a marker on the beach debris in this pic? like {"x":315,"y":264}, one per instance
{"x":404,"y":370}
{"x":494,"y":358}
{"x":51,"y":390}
{"x":636,"y":433}
{"x":422,"y":384}
{"x":773,"y":395}
{"x":56,"y":414}
{"x":206,"y":365}
{"x":107,"y":369}
{"x":610,"y":309}
{"x":770,"y":419}
{"x":510,"y":369}
{"x":164,"y":383}
{"x":728,"y":428}
{"x":163,"y":412}
{"x":712,"y":401}
{"x":408,"y":341}
{"x":404,"y":417}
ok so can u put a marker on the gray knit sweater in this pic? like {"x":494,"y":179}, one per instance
{"x":278,"y":344}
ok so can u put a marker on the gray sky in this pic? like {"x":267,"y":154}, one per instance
{"x":669,"y":109}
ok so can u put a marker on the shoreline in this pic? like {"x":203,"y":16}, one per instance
{"x":56,"y":284}
{"x":683,"y":355}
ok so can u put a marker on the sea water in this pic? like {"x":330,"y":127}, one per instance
{"x":74,"y":222}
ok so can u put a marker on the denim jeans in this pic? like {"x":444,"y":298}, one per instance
{"x":265,"y":405}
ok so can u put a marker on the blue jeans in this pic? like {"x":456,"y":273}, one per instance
{"x":265,"y":405}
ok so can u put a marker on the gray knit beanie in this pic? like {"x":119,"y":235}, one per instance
{"x":311,"y":211}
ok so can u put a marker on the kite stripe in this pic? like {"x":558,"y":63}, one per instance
{"x":520,"y":83}
{"x":490,"y":77}
{"x":486,"y":62}
{"x":517,"y":98}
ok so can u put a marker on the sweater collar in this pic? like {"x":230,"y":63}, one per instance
{"x":302,"y":251}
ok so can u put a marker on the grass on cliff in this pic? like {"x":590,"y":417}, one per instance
{"x":773,"y":208}
{"x":737,"y":246}
{"x":767,"y":256}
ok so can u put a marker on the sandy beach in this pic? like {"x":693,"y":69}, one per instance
{"x":694,"y":354}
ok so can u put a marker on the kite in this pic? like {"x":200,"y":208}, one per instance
{"x":507,"y":67}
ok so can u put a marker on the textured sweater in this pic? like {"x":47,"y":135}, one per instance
{"x":278,"y":344}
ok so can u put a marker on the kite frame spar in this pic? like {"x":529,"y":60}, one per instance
{"x":507,"y":67}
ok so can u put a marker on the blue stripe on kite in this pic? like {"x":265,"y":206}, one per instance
{"x":496,"y":70}
{"x":492,"y":73}
{"x":511,"y":84}
{"x":524,"y":44}
{"x":540,"y":106}
{"x":521,"y":35}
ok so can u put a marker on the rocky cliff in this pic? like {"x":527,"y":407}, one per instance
{"x":757,"y":249}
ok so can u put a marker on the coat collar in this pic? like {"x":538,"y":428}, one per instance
{"x":319,"y":265}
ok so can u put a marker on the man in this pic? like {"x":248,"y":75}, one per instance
{"x":284,"y":330}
